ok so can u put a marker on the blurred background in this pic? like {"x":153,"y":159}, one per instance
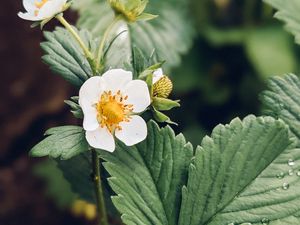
{"x":238,"y":46}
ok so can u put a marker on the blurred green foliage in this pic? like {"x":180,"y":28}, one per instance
{"x":238,"y":46}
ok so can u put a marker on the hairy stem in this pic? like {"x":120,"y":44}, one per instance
{"x":102,"y":214}
{"x":86,"y":51}
{"x":61,"y":19}
{"x":103,"y":40}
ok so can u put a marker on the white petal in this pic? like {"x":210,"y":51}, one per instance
{"x":29,"y":16}
{"x":90,"y":121}
{"x":138,"y":95}
{"x":101,"y":139}
{"x":132,"y":132}
{"x":29,"y":5}
{"x":157,"y":75}
{"x":116,"y":79}
{"x":51,"y":8}
{"x":90,"y":91}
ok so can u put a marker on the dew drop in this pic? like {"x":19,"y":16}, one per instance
{"x":280,"y":175}
{"x":291,"y":162}
{"x":291,"y":172}
{"x":231,"y":224}
{"x":265,"y":221}
{"x":285,"y":186}
{"x":298,"y":173}
{"x":246,"y":223}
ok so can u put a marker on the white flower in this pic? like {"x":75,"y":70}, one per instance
{"x":38,"y":10}
{"x":110,"y":104}
{"x":157,"y":75}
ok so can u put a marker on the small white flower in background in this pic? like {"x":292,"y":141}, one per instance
{"x":110,"y":104}
{"x":39,"y":10}
{"x":157,"y":75}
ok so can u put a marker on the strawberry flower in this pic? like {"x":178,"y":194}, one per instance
{"x":39,"y":10}
{"x":110,"y":105}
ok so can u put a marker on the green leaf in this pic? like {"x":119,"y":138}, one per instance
{"x":170,"y":35}
{"x":78,"y":172}
{"x":232,"y":178}
{"x":64,"y":142}
{"x":148,"y":177}
{"x":288,"y":13}
{"x":65,"y":57}
{"x":290,"y":220}
{"x":57,"y":187}
{"x":282,"y":100}
{"x":271,"y":51}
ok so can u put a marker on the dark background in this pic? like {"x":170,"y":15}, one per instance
{"x":31,"y":100}
{"x":216,"y":82}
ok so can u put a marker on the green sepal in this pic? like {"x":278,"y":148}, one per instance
{"x":146,"y":17}
{"x":150,"y":70}
{"x":164,"y":104}
{"x":35,"y":24}
{"x":149,"y":82}
{"x":161,"y":117}
{"x":44,"y":22}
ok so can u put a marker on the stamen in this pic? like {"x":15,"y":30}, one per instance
{"x":112,"y":111}
{"x":40,"y":4}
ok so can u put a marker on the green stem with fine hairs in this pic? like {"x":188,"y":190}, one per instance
{"x":86,"y":51}
{"x":103,"y":40}
{"x":102,"y":214}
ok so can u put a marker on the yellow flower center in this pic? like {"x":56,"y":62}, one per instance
{"x":111,"y":110}
{"x":39,"y":5}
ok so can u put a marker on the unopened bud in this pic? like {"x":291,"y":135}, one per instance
{"x":132,"y":10}
{"x":163,"y":87}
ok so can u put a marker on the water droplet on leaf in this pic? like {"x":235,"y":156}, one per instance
{"x":285,"y":186}
{"x":291,"y":172}
{"x":280,"y":175}
{"x":265,"y":221}
{"x":291,"y":162}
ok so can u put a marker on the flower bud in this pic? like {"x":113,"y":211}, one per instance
{"x":163,"y":87}
{"x":132,"y":10}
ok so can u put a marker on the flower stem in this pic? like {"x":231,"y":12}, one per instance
{"x":61,"y":19}
{"x":86,"y":51}
{"x":103,"y":40}
{"x":102,"y":215}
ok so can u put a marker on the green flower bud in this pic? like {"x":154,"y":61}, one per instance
{"x":163,"y":87}
{"x":132,"y":10}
